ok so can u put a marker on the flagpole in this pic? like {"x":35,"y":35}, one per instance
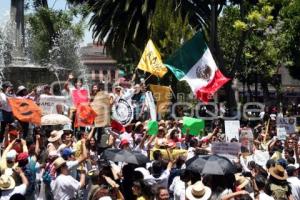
{"x":134,"y":75}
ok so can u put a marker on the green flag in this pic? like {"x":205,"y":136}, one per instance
{"x":152,"y":127}
{"x":194,"y":125}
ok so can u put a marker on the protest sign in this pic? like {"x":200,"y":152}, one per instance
{"x":226,"y":148}
{"x":149,"y":101}
{"x":194,"y":125}
{"x":259,"y":157}
{"x":52,"y":104}
{"x":80,"y":96}
{"x":163,"y":96}
{"x":289,"y":123}
{"x":246,"y":138}
{"x":152,"y":127}
{"x":26,"y":110}
{"x":122,"y":111}
{"x":232,"y":128}
{"x":101,"y":105}
{"x":85,"y":116}
{"x":281,"y":133}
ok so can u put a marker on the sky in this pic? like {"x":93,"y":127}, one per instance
{"x":56,"y":4}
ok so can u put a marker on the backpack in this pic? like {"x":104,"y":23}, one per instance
{"x":47,"y":175}
{"x":278,"y":191}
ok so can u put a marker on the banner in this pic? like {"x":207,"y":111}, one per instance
{"x":149,"y":101}
{"x":226,"y":148}
{"x":26,"y":110}
{"x":162,"y":95}
{"x":246,"y":138}
{"x":175,"y":153}
{"x":232,"y":128}
{"x":85,"y":116}
{"x":122,"y":112}
{"x":281,"y":133}
{"x":289,"y":123}
{"x":52,"y":104}
{"x":80,"y":96}
{"x":101,"y":105}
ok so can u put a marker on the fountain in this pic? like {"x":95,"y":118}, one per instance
{"x":20,"y":71}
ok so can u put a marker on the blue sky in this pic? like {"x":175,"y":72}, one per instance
{"x":56,"y":4}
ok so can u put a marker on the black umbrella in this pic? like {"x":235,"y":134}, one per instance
{"x":212,"y":164}
{"x":118,"y":155}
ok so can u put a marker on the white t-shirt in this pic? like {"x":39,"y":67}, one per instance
{"x":72,"y":167}
{"x":162,"y":181}
{"x":295,"y":185}
{"x":64,"y":187}
{"x":190,"y":152}
{"x":178,"y":188}
{"x":4,"y":103}
{"x":264,"y":196}
{"x":6,"y":194}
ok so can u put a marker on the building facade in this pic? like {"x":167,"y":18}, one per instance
{"x":101,"y":67}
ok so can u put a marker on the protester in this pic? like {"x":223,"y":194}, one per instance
{"x":65,"y":186}
{"x":135,"y":156}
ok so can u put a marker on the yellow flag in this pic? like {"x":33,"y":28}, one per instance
{"x":163,"y":96}
{"x":151,"y":61}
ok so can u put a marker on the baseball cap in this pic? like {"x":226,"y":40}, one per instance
{"x":22,"y":156}
{"x":11,"y":155}
{"x":124,"y":142}
{"x":66,"y":153}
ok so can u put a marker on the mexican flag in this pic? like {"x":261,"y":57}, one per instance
{"x":194,"y":63}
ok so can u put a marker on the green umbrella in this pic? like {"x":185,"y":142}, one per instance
{"x":194,"y":125}
{"x":152,"y":127}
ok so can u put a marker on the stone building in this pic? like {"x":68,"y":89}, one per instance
{"x":101,"y":67}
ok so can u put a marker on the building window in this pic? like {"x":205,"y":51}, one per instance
{"x":105,"y":78}
{"x":113,"y":75}
{"x":97,"y":74}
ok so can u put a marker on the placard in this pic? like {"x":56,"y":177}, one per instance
{"x":232,"y":128}
{"x":259,"y":157}
{"x":52,"y":104}
{"x":289,"y":123}
{"x":246,"y":138}
{"x":101,"y":105}
{"x":281,"y":133}
{"x":226,"y":148}
{"x":122,"y":111}
{"x":149,"y":101}
{"x":80,"y":96}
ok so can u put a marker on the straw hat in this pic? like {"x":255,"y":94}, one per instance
{"x":7,"y":182}
{"x":55,"y":135}
{"x":58,"y":162}
{"x":198,"y":191}
{"x":278,"y":172}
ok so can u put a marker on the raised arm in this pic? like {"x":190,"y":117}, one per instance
{"x":83,"y":156}
{"x":91,"y":134}
{"x":24,"y":179}
{"x":24,"y":146}
{"x":37,"y":144}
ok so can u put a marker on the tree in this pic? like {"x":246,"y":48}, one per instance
{"x":290,"y":15}
{"x":265,"y":44}
{"x":53,"y":39}
{"x":124,"y":26}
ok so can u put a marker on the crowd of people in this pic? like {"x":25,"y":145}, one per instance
{"x":65,"y":163}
